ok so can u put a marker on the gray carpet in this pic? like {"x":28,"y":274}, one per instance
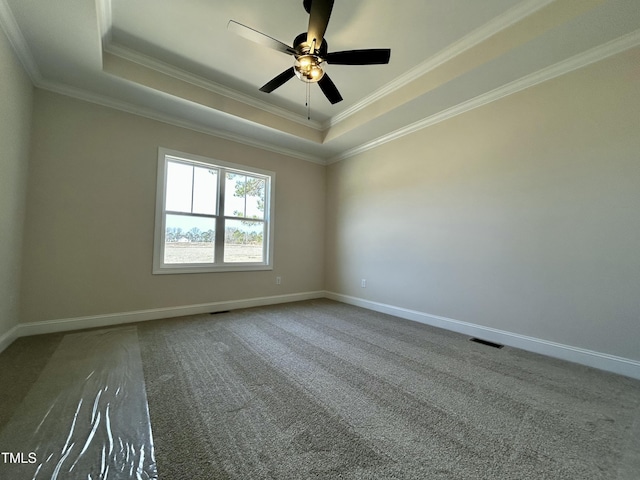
{"x":325,"y":390}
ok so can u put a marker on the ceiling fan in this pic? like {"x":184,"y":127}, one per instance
{"x":310,"y":51}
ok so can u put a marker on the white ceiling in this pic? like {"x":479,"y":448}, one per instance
{"x":175,"y":60}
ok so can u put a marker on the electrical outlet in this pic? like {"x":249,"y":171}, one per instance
{"x":278,"y":280}
{"x":363,"y":283}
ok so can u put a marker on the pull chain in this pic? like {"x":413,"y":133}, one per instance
{"x":308,"y":102}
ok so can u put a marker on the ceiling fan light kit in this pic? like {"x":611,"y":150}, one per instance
{"x":310,"y":51}
{"x":308,"y":68}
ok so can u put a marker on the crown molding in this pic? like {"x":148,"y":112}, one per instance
{"x":9,"y":25}
{"x":22,"y":51}
{"x":172,"y":71}
{"x":576,"y":62}
{"x":499,"y":23}
{"x":16,"y":39}
{"x":105,"y":20}
{"x":152,"y":114}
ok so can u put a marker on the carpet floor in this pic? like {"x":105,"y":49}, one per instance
{"x":323,"y":390}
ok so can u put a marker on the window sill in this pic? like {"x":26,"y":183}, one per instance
{"x":180,"y":269}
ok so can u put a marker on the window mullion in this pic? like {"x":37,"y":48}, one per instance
{"x":193,"y":185}
{"x":219,"y":242}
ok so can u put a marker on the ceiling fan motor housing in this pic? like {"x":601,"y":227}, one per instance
{"x":302,"y":47}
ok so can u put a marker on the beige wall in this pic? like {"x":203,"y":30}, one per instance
{"x":91,"y":209}
{"x":16,"y":94}
{"x":522,"y":215}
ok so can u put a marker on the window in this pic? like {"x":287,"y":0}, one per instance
{"x":211,"y":216}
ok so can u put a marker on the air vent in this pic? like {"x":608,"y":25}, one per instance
{"x":486,"y":342}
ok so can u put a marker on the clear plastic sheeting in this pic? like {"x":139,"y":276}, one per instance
{"x":86,"y":417}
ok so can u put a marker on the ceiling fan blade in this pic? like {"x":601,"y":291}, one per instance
{"x":374,"y":56}
{"x":318,"y":21}
{"x":329,"y":88}
{"x":259,"y":37}
{"x":278,"y":81}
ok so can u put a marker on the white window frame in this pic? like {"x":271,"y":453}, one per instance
{"x":159,"y":267}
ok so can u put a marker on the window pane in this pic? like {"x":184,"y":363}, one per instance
{"x":244,"y":196}
{"x":255,"y":197}
{"x":179,"y":183}
{"x":205,"y":190}
{"x":243,"y":241}
{"x":234,"y":195}
{"x":189,"y":239}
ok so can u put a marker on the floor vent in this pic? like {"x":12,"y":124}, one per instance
{"x":486,"y":342}
{"x":222,"y":311}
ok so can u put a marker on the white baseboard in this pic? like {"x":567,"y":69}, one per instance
{"x":8,"y":338}
{"x":602,"y":361}
{"x":79,"y":323}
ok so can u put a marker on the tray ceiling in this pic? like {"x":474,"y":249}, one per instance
{"x":175,"y":60}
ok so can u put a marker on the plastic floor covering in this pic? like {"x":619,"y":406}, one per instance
{"x":86,"y":417}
